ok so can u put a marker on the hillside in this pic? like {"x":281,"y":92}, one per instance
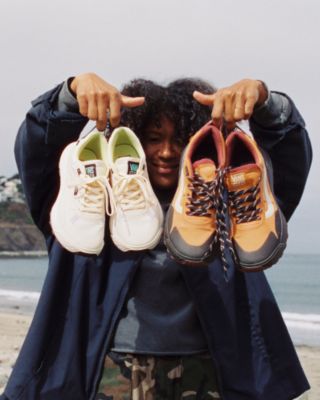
{"x":17,"y":231}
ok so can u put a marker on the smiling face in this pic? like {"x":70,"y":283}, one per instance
{"x":163,"y":151}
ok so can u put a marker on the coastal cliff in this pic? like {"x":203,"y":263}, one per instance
{"x":20,"y":238}
{"x":18,"y":234}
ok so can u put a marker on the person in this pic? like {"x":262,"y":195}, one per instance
{"x":167,"y":331}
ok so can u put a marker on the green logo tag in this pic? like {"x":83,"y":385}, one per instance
{"x":91,"y":170}
{"x":132,"y":167}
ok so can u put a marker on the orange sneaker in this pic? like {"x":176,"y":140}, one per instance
{"x":190,"y":222}
{"x":258,"y":227}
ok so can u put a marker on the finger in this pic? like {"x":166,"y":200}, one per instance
{"x":101,"y":125}
{"x":217,"y":112}
{"x":92,"y":107}
{"x":83,"y":105}
{"x":115,"y":110}
{"x":249,"y":106}
{"x":228,"y":109}
{"x":204,"y":99}
{"x":102,"y":113}
{"x":132,"y":101}
{"x":238,"y":113}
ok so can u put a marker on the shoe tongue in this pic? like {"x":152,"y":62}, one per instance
{"x":127,"y":165}
{"x":205,"y":168}
{"x":95,"y":168}
{"x":243,"y":177}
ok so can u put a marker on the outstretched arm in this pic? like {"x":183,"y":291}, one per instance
{"x":48,"y":128}
{"x":277,"y":127}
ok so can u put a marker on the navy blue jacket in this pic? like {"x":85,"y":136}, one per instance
{"x":63,"y":353}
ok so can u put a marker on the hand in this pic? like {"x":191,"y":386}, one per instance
{"x":234,"y":103}
{"x":96,"y":97}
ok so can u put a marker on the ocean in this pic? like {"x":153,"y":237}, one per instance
{"x":295,"y":281}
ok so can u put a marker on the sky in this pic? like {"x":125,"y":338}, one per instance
{"x":42,"y":43}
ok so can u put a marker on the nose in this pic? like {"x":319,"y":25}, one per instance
{"x":168,"y":150}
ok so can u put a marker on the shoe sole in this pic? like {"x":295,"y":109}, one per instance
{"x":66,"y":245}
{"x":180,"y":258}
{"x":274,"y":256}
{"x":147,"y":246}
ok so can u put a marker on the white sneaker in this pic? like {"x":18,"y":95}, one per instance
{"x":79,"y":212}
{"x":136,"y":223}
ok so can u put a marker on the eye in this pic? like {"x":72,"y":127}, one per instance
{"x":152,"y":138}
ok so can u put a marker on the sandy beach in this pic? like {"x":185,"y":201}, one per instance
{"x":14,"y":325}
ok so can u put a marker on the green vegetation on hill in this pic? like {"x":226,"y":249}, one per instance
{"x":16,"y":213}
{"x":17,"y":230}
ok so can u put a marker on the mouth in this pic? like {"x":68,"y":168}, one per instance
{"x":166,"y":169}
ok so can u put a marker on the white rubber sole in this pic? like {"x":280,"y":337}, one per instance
{"x":151,"y":244}
{"x":146,"y":246}
{"x":65,"y":243}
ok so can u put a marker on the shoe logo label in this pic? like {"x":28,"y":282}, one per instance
{"x":91,"y":170}
{"x":132,"y":167}
{"x":237,"y":179}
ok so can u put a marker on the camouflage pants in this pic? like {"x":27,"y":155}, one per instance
{"x":140,"y":377}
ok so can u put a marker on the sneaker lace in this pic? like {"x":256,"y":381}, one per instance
{"x":199,"y":200}
{"x":245,"y":204}
{"x":222,"y":231}
{"x":94,"y":196}
{"x":206,"y":196}
{"x":130,"y":192}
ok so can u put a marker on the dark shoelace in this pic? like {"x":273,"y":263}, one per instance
{"x":199,"y":202}
{"x":222,"y":231}
{"x":207,"y":196}
{"x":245,"y":204}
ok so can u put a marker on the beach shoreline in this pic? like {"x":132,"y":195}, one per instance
{"x":24,"y":254}
{"x":14,"y":324}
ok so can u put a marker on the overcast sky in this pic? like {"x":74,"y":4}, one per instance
{"x":44,"y":42}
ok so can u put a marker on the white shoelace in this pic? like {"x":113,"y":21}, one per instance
{"x":95,"y":196}
{"x":130,"y":192}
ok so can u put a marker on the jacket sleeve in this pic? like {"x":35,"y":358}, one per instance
{"x":279,"y":129}
{"x":41,"y":138}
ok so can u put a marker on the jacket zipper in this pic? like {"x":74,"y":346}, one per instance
{"x":117,"y":312}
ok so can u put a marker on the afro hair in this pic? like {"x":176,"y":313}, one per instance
{"x":174,"y":101}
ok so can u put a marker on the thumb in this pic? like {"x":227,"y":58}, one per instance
{"x":204,"y":99}
{"x":131,"y":101}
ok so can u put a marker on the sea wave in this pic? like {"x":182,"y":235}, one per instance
{"x":304,"y":328}
{"x":22,"y":254}
{"x":19,"y":295}
{"x":308,"y":321}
